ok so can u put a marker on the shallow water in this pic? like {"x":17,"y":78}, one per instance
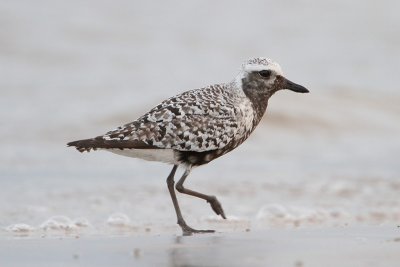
{"x":73,"y":70}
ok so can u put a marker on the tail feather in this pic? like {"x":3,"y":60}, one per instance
{"x":84,"y":145}
{"x":100,"y":142}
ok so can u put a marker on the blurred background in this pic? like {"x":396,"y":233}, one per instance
{"x":76,"y":69}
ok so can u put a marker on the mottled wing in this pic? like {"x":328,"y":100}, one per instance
{"x":198,"y":120}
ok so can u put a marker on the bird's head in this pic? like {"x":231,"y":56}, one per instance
{"x":263,"y":77}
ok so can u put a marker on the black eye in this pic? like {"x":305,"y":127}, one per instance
{"x":265,"y":73}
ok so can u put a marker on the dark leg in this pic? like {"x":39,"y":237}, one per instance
{"x":187,"y":230}
{"x":215,"y":205}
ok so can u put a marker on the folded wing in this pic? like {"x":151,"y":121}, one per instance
{"x":198,"y":120}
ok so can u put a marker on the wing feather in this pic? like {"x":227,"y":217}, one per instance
{"x":198,"y":120}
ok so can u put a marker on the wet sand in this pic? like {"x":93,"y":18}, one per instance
{"x":317,"y":183}
{"x":342,"y":246}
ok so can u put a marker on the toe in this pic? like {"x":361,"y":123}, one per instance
{"x":217,"y":207}
{"x":187,"y":230}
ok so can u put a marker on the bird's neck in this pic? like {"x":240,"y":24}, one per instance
{"x":259,"y":102}
{"x":258,"y":97}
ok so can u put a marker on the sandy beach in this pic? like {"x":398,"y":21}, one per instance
{"x":316,"y":184}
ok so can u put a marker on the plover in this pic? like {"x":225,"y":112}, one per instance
{"x":198,"y":126}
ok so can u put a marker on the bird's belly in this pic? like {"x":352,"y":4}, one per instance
{"x":160,"y":155}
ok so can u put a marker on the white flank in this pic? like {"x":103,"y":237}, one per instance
{"x":160,"y":155}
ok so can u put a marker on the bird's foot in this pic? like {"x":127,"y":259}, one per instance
{"x":216,"y":206}
{"x":187,"y":230}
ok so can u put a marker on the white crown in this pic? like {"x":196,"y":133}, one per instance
{"x":261,"y":63}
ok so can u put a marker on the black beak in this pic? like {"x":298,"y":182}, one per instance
{"x":293,"y":86}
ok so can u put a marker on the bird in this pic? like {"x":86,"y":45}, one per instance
{"x":198,"y":126}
